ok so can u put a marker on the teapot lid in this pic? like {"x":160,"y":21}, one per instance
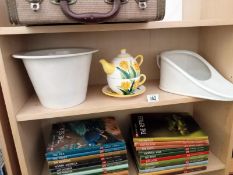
{"x":124,"y":54}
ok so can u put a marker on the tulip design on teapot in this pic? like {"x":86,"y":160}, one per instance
{"x":124,"y":66}
{"x":123,"y":74}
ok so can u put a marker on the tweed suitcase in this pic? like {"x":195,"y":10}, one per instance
{"x":39,"y":12}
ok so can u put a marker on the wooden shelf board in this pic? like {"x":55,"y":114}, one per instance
{"x":231,"y":166}
{"x":214,"y":165}
{"x":17,"y":30}
{"x":97,"y":102}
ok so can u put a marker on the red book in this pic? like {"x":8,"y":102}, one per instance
{"x":191,"y":142}
{"x":173,"y":157}
{"x":168,"y":146}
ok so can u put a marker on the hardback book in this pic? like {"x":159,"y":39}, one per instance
{"x":165,"y":127}
{"x":168,"y":150}
{"x":84,"y":136}
{"x":91,"y":162}
{"x":178,"y":170}
{"x":57,"y":162}
{"x":181,"y":143}
{"x":172,"y":162}
{"x":86,"y":153}
{"x":158,"y":155}
{"x":168,"y":146}
{"x":173,"y":157}
{"x":87,"y":168}
{"x":103,"y":170}
{"x":202,"y":163}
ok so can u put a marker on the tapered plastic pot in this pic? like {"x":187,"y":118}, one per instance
{"x":59,"y":76}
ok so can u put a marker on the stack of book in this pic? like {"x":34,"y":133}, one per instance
{"x":84,"y":147}
{"x":168,"y":143}
{"x":2,"y":166}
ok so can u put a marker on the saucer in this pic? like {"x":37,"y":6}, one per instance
{"x":107,"y":91}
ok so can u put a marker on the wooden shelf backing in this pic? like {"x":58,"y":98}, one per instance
{"x":17,"y":30}
{"x":214,"y":165}
{"x":97,"y":102}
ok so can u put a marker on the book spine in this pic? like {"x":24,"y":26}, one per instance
{"x":167,"y":146}
{"x":173,"y":157}
{"x":168,"y":150}
{"x":86,"y":149}
{"x":57,"y":162}
{"x":92,"y":162}
{"x":101,"y":170}
{"x":173,"y":162}
{"x":163,"y":139}
{"x":103,"y":164}
{"x":163,"y":155}
{"x":202,"y":163}
{"x":191,"y":142}
{"x":86,"y":153}
{"x":178,"y":171}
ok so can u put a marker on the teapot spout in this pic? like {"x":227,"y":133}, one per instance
{"x":108,"y":67}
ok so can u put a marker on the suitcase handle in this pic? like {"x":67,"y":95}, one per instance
{"x":92,"y":17}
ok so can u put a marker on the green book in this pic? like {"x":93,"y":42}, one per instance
{"x":173,"y":152}
{"x":165,"y":127}
{"x":87,"y":168}
{"x":101,"y":170}
{"x":167,"y":150}
{"x":172,"y":162}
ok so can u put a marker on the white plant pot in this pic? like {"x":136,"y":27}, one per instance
{"x":59,"y":76}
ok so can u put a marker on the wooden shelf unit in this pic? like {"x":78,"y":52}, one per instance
{"x":6,"y":141}
{"x":110,"y":27}
{"x":208,"y":33}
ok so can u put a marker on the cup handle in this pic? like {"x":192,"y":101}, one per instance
{"x":140,"y":57}
{"x":142,"y":79}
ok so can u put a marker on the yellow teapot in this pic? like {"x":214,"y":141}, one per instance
{"x":124,"y":66}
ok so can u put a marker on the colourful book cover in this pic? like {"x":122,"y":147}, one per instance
{"x":83,"y":136}
{"x":168,"y":146}
{"x":165,"y":127}
{"x":184,"y":143}
{"x":57,"y":162}
{"x":172,"y":162}
{"x":168,"y":150}
{"x":91,"y":162}
{"x":173,"y":157}
{"x":202,"y":163}
{"x":86,"y":153}
{"x":157,"y":155}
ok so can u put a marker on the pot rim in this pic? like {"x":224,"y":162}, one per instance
{"x":54,"y":53}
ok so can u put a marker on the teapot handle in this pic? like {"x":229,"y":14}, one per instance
{"x":140,"y":57}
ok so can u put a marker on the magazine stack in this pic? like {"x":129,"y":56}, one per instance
{"x":84,"y":147}
{"x":168,"y":143}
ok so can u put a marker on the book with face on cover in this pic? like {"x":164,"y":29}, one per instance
{"x":165,"y":127}
{"x":84,"y":136}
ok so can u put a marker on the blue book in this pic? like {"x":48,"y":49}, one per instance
{"x":85,"y":153}
{"x":86,"y":149}
{"x":204,"y":163}
{"x":84,"y":136}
